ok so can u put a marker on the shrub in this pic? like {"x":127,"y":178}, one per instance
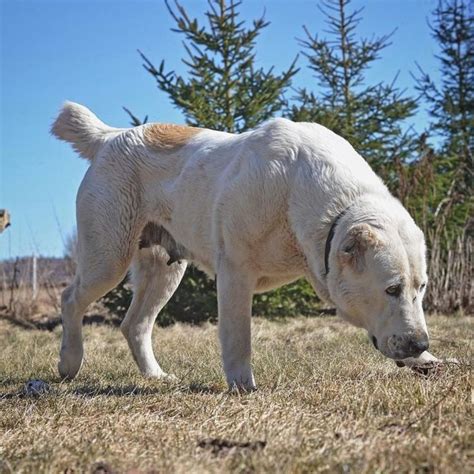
{"x":195,"y":301}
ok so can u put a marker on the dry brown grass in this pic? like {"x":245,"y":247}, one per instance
{"x":19,"y":302}
{"x":327,"y":402}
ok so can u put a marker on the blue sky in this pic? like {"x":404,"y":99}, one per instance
{"x":85,"y":51}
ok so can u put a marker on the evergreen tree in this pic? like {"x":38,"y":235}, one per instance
{"x":371,"y":117}
{"x":437,"y":186}
{"x":451,"y":103}
{"x":223,"y":89}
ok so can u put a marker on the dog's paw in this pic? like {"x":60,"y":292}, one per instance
{"x":241,"y":380}
{"x":68,"y":366}
{"x":245,"y":386}
{"x":241,"y":388}
{"x":160,"y":375}
{"x":169,"y":378}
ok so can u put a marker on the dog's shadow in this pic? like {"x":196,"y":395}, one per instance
{"x":10,"y":395}
{"x":50,"y":323}
{"x":199,"y":388}
{"x":92,"y":391}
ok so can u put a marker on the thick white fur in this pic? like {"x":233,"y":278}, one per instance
{"x":253,"y":209}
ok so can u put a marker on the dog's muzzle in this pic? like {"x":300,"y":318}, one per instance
{"x":409,"y":345}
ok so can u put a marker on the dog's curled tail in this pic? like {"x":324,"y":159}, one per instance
{"x":77,"y":125}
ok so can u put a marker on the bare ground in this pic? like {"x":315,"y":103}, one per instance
{"x":327,"y":402}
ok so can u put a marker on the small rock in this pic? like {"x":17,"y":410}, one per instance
{"x":36,"y":387}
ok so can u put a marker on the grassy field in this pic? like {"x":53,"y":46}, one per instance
{"x":327,"y":402}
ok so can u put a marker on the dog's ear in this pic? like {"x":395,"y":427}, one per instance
{"x":355,"y":244}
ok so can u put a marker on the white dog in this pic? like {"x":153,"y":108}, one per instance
{"x":257,"y":210}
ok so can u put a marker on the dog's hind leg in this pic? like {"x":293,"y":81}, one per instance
{"x":107,"y":241}
{"x":74,"y":302}
{"x":154,"y":283}
{"x":90,"y":283}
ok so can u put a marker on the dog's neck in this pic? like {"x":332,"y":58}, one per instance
{"x":327,"y":237}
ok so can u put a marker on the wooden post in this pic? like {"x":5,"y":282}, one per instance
{"x":34,"y":277}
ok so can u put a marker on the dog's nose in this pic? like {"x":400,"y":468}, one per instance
{"x":409,"y":345}
{"x":418,"y":346}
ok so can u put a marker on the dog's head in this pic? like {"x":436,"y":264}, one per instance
{"x":377,"y":281}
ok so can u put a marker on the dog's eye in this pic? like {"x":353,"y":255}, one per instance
{"x":394,"y":290}
{"x":423,"y":286}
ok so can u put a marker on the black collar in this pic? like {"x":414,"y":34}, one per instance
{"x":327,"y":249}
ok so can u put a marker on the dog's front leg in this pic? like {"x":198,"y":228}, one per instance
{"x":234,"y":293}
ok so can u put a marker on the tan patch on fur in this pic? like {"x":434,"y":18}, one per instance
{"x":416,"y":283}
{"x":168,"y":136}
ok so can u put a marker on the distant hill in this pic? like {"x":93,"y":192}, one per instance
{"x":51,"y":271}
